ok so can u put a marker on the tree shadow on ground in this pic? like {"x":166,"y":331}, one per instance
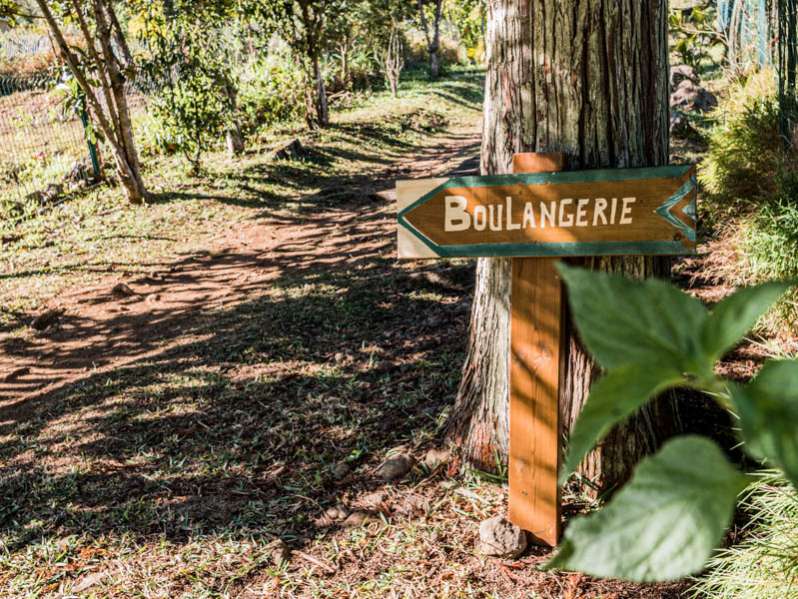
{"x":239,"y":393}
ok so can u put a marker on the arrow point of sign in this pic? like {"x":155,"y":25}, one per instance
{"x":674,"y":207}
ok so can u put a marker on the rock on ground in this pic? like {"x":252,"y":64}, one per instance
{"x":331,"y":516}
{"x":681,"y":73}
{"x":395,"y":468}
{"x":340,"y":471}
{"x":278,"y":551}
{"x":293,"y":150}
{"x":47,"y":319}
{"x":122,"y":290}
{"x":690,"y":97}
{"x":498,"y":537}
{"x":436,"y":457}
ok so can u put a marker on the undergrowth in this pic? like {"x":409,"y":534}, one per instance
{"x":765,"y":564}
{"x":750,"y":175}
{"x":747,"y":157}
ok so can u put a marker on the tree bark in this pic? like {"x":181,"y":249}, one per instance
{"x":344,"y":48}
{"x":128,"y":163}
{"x":433,"y":37}
{"x":317,"y":107}
{"x":322,"y":107}
{"x":588,"y":78}
{"x":234,"y":137}
{"x":113,"y":119}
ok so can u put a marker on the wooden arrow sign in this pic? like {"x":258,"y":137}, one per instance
{"x":648,"y":211}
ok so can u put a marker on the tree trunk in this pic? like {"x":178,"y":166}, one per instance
{"x":433,"y":37}
{"x":234,"y":137}
{"x":588,"y":78}
{"x":435,"y":46}
{"x":318,"y":108}
{"x":234,"y":140}
{"x":344,"y":48}
{"x":128,"y":163}
{"x":434,"y":63}
{"x":113,"y":119}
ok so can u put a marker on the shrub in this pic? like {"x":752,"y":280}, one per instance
{"x":272,"y":90}
{"x":667,"y":521}
{"x":747,"y":156}
{"x":751,"y":176}
{"x":418,"y":54}
{"x":764,"y":565}
{"x":768,"y":249}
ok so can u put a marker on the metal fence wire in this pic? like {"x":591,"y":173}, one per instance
{"x":44,"y":152}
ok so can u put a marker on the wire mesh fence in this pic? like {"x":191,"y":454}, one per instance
{"x":44,"y":151}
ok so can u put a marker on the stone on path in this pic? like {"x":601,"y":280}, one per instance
{"x":46,"y":319}
{"x":436,"y":457}
{"x":498,"y":537}
{"x":293,"y":150}
{"x":122,"y":290}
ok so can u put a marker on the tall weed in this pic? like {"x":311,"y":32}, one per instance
{"x":765,"y":564}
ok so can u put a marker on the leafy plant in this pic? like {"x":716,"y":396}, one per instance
{"x":272,"y":90}
{"x":693,"y":34}
{"x":752,"y":177}
{"x":197,"y":91}
{"x":651,"y":337}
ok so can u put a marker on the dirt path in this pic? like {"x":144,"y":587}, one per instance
{"x":192,"y":410}
{"x":120,"y":321}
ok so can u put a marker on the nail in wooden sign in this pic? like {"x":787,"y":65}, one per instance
{"x":647,"y":211}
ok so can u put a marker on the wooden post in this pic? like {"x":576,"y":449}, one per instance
{"x":532,"y":216}
{"x":536,"y":342}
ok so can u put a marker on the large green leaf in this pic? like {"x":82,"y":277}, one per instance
{"x":612,"y":399}
{"x":624,"y":321}
{"x":768,"y":411}
{"x":664,"y":524}
{"x":735,"y":316}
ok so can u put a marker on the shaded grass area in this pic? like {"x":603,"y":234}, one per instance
{"x":211,"y":449}
{"x":762,"y":563}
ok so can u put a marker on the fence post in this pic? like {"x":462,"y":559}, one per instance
{"x":95,"y":161}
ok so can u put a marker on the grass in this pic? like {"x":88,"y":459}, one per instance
{"x":95,"y":235}
{"x":764,"y":565}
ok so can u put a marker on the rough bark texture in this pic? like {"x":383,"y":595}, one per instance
{"x":127,"y":160}
{"x":588,"y":78}
{"x":317,"y":108}
{"x":394,"y":60}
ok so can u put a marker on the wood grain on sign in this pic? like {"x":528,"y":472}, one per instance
{"x":604,"y":212}
{"x":535,"y":361}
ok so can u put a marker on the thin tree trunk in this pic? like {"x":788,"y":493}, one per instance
{"x":322,"y":107}
{"x":119,"y":137}
{"x":435,"y":47}
{"x":433,"y":37}
{"x":234,"y":137}
{"x":130,"y":167}
{"x":588,"y":78}
{"x":344,"y":48}
{"x":434,"y":62}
